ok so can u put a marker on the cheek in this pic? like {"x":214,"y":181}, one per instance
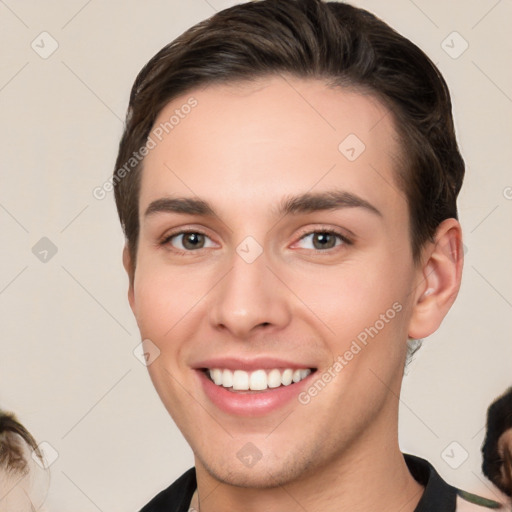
{"x":354,"y":296}
{"x":162,"y":299}
{"x":164,"y":309}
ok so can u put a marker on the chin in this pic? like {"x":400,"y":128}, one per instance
{"x":264,"y":474}
{"x":252,"y":478}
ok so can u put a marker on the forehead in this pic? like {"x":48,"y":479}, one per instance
{"x":248,"y":142}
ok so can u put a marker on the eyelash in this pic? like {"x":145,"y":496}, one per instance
{"x":330,"y":231}
{"x":167,"y":239}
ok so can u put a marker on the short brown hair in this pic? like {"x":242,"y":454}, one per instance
{"x":12,"y":436}
{"x":344,"y":46}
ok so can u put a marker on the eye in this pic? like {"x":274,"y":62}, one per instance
{"x":322,"y":240}
{"x":189,"y":241}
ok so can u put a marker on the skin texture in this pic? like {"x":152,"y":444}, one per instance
{"x":245,"y":149}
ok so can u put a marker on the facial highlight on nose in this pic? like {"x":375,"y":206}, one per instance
{"x":249,"y":298}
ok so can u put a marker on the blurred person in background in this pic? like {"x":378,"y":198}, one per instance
{"x":497,"y":446}
{"x":24,"y":480}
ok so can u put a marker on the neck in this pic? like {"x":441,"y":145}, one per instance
{"x":370,"y":475}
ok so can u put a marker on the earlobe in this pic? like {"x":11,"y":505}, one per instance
{"x":438,"y":280}
{"x":128,"y":266}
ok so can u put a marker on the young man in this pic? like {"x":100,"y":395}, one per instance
{"x":287,"y":184}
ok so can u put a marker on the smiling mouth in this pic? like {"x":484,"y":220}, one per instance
{"x":258,"y":380}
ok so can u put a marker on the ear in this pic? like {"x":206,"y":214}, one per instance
{"x":438,"y":282}
{"x":130,"y":270}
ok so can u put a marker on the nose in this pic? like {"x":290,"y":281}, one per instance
{"x":249,"y":298}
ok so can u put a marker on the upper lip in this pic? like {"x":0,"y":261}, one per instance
{"x":258,"y":363}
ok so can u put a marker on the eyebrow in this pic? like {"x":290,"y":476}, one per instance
{"x":188,"y":205}
{"x":331,"y":200}
{"x":308,"y":202}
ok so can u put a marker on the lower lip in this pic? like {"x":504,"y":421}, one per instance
{"x":251,"y":403}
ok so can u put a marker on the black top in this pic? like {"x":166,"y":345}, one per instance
{"x":439,"y":496}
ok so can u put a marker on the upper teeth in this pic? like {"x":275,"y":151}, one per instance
{"x":258,"y":380}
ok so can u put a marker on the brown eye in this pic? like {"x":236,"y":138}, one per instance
{"x":193,"y":240}
{"x":189,"y":241}
{"x":321,"y":240}
{"x":324,"y":240}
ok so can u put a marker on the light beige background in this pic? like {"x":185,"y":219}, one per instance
{"x":67,"y":334}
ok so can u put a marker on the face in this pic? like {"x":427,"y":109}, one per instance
{"x":274,"y":247}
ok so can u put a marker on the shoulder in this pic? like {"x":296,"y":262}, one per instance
{"x":176,"y":498}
